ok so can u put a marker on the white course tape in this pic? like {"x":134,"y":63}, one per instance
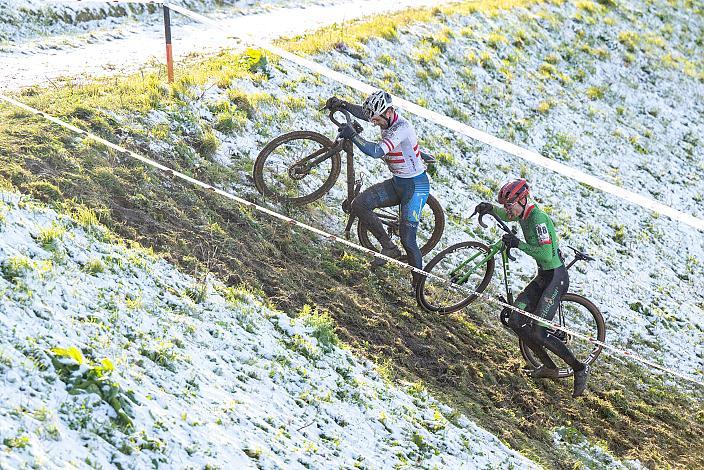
{"x":466,"y":130}
{"x":337,"y":239}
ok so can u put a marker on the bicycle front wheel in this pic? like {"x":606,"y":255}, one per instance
{"x":467,"y":264}
{"x":430,"y":228}
{"x":283,"y":169}
{"x":581,"y":316}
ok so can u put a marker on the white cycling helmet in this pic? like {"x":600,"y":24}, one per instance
{"x":377,"y":103}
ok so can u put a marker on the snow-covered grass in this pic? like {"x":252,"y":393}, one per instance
{"x":213,"y":122}
{"x":136,"y":364}
{"x":25,"y":20}
{"x":643,"y":313}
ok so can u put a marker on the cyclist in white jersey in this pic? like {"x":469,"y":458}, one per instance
{"x":409,"y":187}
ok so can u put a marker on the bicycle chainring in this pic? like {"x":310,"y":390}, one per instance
{"x":504,"y":316}
{"x":561,"y":335}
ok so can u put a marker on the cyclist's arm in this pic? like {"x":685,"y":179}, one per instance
{"x":541,"y":246}
{"x":384,"y":146}
{"x":372,"y":149}
{"x":540,"y":253}
{"x":357,"y":111}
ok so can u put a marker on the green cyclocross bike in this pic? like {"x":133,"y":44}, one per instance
{"x":471,"y":266}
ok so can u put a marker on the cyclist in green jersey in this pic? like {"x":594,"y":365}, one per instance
{"x":542,"y":295}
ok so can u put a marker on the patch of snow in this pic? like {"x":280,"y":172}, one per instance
{"x":122,"y":46}
{"x":221,"y":382}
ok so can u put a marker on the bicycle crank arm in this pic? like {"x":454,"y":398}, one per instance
{"x":348,"y":227}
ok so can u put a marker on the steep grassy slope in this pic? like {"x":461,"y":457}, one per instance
{"x":466,"y":359}
{"x":112,"y":358}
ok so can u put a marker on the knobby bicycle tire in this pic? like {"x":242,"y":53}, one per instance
{"x":423,"y":289}
{"x":366,"y":239}
{"x":600,"y":336}
{"x":310,"y":136}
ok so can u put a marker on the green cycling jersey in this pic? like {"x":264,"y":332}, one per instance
{"x":538,"y":230}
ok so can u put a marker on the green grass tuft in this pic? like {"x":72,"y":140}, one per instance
{"x":15,"y":267}
{"x":323,"y":326}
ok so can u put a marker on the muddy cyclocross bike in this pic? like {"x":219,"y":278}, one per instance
{"x":300,"y":167}
{"x":471,"y":265}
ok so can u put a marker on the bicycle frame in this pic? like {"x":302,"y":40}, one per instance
{"x":507,"y":275}
{"x":304,"y":165}
{"x":493,"y":249}
{"x":310,"y":164}
{"x":509,"y":294}
{"x":461,"y":274}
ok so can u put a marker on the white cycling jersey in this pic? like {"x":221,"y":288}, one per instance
{"x":400,"y":145}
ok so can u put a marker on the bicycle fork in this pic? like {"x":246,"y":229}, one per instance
{"x":353,"y":188}
{"x":347,"y":208}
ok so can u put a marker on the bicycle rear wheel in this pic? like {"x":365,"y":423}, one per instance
{"x":281,"y":169}
{"x":465,"y":264}
{"x":430,"y":228}
{"x":579,"y":315}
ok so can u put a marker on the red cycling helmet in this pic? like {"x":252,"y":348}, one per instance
{"x":513,"y":191}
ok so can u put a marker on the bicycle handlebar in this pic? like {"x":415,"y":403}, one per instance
{"x":501,"y":223}
{"x":348,"y":118}
{"x":578,"y":255}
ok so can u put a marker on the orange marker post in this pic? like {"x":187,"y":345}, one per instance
{"x":169,"y":53}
